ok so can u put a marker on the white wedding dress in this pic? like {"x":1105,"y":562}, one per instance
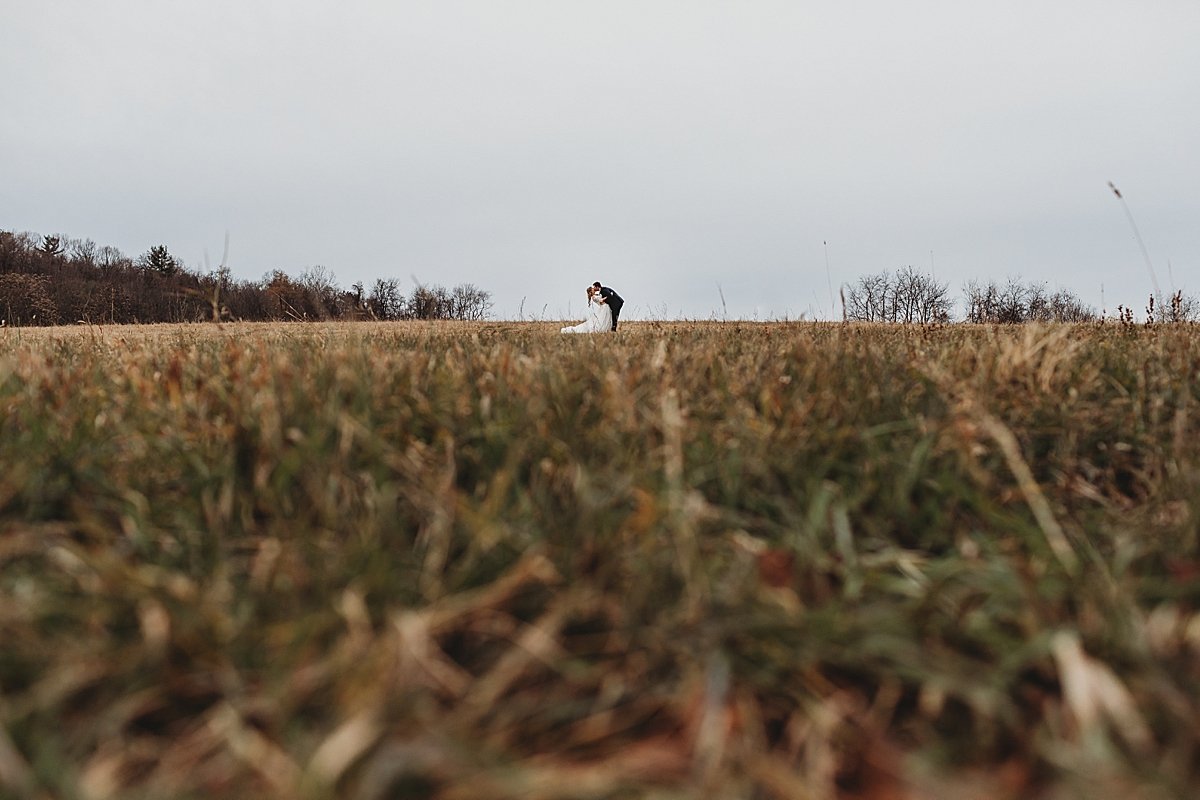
{"x":599,"y":319}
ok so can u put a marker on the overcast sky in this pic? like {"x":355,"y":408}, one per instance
{"x":675,"y":150}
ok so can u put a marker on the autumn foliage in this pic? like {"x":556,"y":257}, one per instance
{"x":52,"y":280}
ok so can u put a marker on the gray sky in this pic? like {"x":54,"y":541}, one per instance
{"x":665,"y":147}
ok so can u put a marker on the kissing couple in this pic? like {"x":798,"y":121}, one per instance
{"x":603,"y":308}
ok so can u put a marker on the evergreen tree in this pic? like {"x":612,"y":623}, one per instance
{"x":160,"y":260}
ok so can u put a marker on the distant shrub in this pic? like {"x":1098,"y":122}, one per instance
{"x":1016,"y":302}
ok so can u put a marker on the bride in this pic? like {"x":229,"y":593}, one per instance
{"x":599,"y":316}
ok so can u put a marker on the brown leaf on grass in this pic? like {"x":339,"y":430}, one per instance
{"x":872,"y":770}
{"x":1183,"y":570}
{"x":645,"y":514}
{"x":777,"y":568}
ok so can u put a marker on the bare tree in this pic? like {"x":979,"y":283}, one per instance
{"x":920,"y":297}
{"x":322,"y":291}
{"x":83,"y":251}
{"x":1066,"y":307}
{"x":867,"y":300}
{"x":110,"y":258}
{"x":385,"y":300}
{"x":285,"y":298}
{"x":980,"y":301}
{"x":470,"y":302}
{"x":908,"y":296}
{"x":429,"y":302}
{"x":1016,"y":302}
{"x":991,"y":303}
{"x":1037,"y":303}
{"x":1013,"y":303}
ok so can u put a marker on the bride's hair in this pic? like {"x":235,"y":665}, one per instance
{"x":591,"y":291}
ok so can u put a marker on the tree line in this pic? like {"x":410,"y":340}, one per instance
{"x":53,"y":280}
{"x":910,"y":296}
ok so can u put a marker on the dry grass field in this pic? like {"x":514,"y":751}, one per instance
{"x":464,"y":561}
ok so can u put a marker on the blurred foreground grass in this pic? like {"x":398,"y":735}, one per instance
{"x":692,"y":560}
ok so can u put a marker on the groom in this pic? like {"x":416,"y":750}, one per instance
{"x":611,"y":299}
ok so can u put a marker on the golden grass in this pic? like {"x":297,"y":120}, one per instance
{"x":487,"y":561}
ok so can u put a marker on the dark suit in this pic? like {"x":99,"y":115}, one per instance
{"x":613,"y":301}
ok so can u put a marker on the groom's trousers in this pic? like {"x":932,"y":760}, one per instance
{"x":616,"y":312}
